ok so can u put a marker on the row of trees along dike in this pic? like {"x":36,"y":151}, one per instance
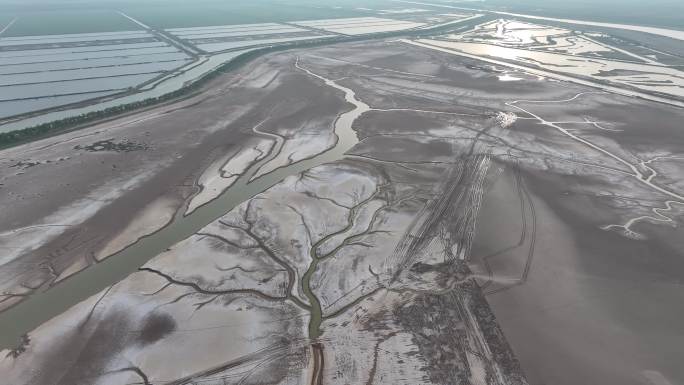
{"x":43,"y":130}
{"x":13,"y":138}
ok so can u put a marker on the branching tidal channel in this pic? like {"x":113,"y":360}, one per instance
{"x":44,"y":305}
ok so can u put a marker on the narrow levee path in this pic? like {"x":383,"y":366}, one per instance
{"x":44,"y":305}
{"x":161,"y":35}
{"x":5,"y":28}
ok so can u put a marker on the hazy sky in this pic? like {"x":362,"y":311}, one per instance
{"x":647,"y":12}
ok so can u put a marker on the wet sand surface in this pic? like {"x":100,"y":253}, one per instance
{"x":594,"y":307}
{"x":546,"y":201}
{"x":56,"y":222}
{"x":274,"y":257}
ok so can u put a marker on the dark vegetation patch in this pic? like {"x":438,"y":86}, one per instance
{"x":442,"y":326}
{"x":471,"y":296}
{"x":21,"y":348}
{"x":445,"y":272}
{"x":24,"y":164}
{"x":110,"y":145}
{"x":439,"y":333}
{"x":155,"y":327}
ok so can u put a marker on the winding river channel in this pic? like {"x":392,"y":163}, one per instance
{"x":44,"y":305}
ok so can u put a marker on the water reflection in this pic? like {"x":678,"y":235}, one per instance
{"x":565,"y":52}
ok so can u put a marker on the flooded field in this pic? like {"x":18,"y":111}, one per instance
{"x":63,"y":69}
{"x":666,"y":13}
{"x":35,"y":21}
{"x":157,"y":88}
{"x":148,"y":62}
{"x":25,"y":78}
{"x":565,"y":52}
{"x":21,"y":106}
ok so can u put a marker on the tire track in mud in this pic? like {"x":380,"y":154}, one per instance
{"x":529,"y":259}
{"x":521,"y":241}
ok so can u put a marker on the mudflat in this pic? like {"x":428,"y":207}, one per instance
{"x":412,"y":218}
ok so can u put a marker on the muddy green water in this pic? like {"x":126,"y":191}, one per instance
{"x":44,"y":305}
